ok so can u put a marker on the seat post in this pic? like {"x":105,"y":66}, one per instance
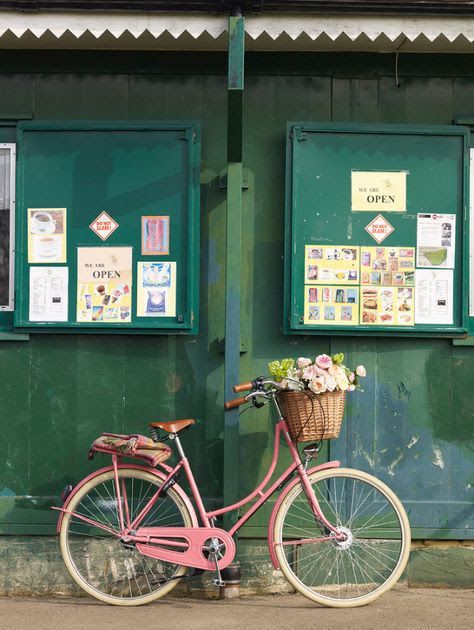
{"x":174,"y":436}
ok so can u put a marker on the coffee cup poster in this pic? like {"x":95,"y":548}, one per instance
{"x":46,"y":235}
{"x":156,"y":294}
{"x":104,"y":285}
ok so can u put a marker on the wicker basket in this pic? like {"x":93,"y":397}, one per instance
{"x":312,"y":416}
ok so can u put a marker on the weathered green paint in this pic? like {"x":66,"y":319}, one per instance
{"x":233,"y":261}
{"x":58,"y":390}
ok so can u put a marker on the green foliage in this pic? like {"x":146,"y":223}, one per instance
{"x":279,"y":369}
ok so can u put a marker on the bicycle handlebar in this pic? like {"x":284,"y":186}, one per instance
{"x":243,"y":387}
{"x":257,"y":388}
{"x":230,"y":404}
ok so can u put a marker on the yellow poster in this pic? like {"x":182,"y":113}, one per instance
{"x":387,"y":306}
{"x":104,"y":285}
{"x":331,"y":305}
{"x":376,"y":191}
{"x":335,"y":264}
{"x":387,"y":266}
{"x":156,"y":293}
{"x":46,"y":235}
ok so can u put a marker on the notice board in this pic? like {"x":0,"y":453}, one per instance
{"x":375,"y":237}
{"x":108,"y":227}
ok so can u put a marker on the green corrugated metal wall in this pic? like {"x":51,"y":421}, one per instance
{"x":414,"y":424}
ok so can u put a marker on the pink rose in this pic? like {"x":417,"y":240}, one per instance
{"x":351,"y":377}
{"x":317,"y":385}
{"x":323,"y":361}
{"x":310,"y":372}
{"x":303,"y":362}
{"x":360,"y":370}
{"x":321,"y":372}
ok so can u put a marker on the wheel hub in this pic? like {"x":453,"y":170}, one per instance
{"x":342,"y":544}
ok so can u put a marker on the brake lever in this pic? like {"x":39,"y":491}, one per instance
{"x":256,"y":404}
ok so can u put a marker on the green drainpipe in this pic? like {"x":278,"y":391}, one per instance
{"x":235,"y":88}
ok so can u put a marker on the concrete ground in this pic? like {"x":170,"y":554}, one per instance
{"x":401,"y":608}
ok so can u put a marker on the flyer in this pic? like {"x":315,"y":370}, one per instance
{"x":376,"y":191}
{"x":435,"y":240}
{"x":48,"y":294}
{"x":434,"y":296}
{"x":387,"y":266}
{"x":155,"y":236}
{"x":104,"y":285}
{"x":46,"y":235}
{"x":387,"y":306}
{"x":156,"y":294}
{"x":331,"y":305}
{"x":335,"y":264}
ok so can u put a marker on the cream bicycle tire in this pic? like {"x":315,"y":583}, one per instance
{"x":72,"y":562}
{"x":330,"y":557}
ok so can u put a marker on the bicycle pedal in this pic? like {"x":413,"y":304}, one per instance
{"x":218,"y":582}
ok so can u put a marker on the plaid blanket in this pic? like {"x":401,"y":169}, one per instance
{"x":133,"y":445}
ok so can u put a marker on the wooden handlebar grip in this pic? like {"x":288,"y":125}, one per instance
{"x":230,"y":404}
{"x":243,"y":387}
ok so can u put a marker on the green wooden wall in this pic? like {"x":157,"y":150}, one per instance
{"x":413,"y":426}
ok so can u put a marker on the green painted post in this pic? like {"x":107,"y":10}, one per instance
{"x":233,"y":253}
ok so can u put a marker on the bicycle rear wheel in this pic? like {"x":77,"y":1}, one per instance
{"x":108,"y":569}
{"x":346,"y":573}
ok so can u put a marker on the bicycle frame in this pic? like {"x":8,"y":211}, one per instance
{"x":190,"y":540}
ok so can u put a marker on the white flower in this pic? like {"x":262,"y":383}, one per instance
{"x":317,"y":385}
{"x":335,"y":370}
{"x":342,"y":382}
{"x":360,"y":370}
{"x":330,"y":382}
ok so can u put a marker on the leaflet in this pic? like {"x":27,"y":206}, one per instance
{"x":48,"y":294}
{"x":435,"y":240}
{"x":434,"y":296}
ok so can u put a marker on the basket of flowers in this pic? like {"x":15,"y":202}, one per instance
{"x":314,"y":394}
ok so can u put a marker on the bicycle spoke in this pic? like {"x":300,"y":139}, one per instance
{"x":106,"y":567}
{"x":366,"y":554}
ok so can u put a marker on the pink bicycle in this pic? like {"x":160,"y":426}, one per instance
{"x":129,"y":533}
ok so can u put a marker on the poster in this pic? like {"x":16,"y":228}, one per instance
{"x":46,"y":235}
{"x":155,"y":236}
{"x":376,"y":191}
{"x":435,"y":240}
{"x":331,"y":305}
{"x":156,"y":293}
{"x":387,"y":266}
{"x":387,"y":306}
{"x":48,"y":294}
{"x":434,"y":296}
{"x":335,"y":264}
{"x":104,"y":285}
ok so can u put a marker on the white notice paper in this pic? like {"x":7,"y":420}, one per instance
{"x":434,"y":296}
{"x":435,"y":240}
{"x":48,"y":294}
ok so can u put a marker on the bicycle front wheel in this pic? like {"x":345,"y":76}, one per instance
{"x":349,"y":572}
{"x":107,"y":568}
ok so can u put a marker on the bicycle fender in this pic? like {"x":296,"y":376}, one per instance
{"x":153,"y":471}
{"x":279,"y":501}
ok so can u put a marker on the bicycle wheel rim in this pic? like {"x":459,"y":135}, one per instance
{"x":358,"y":570}
{"x":99,"y":562}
